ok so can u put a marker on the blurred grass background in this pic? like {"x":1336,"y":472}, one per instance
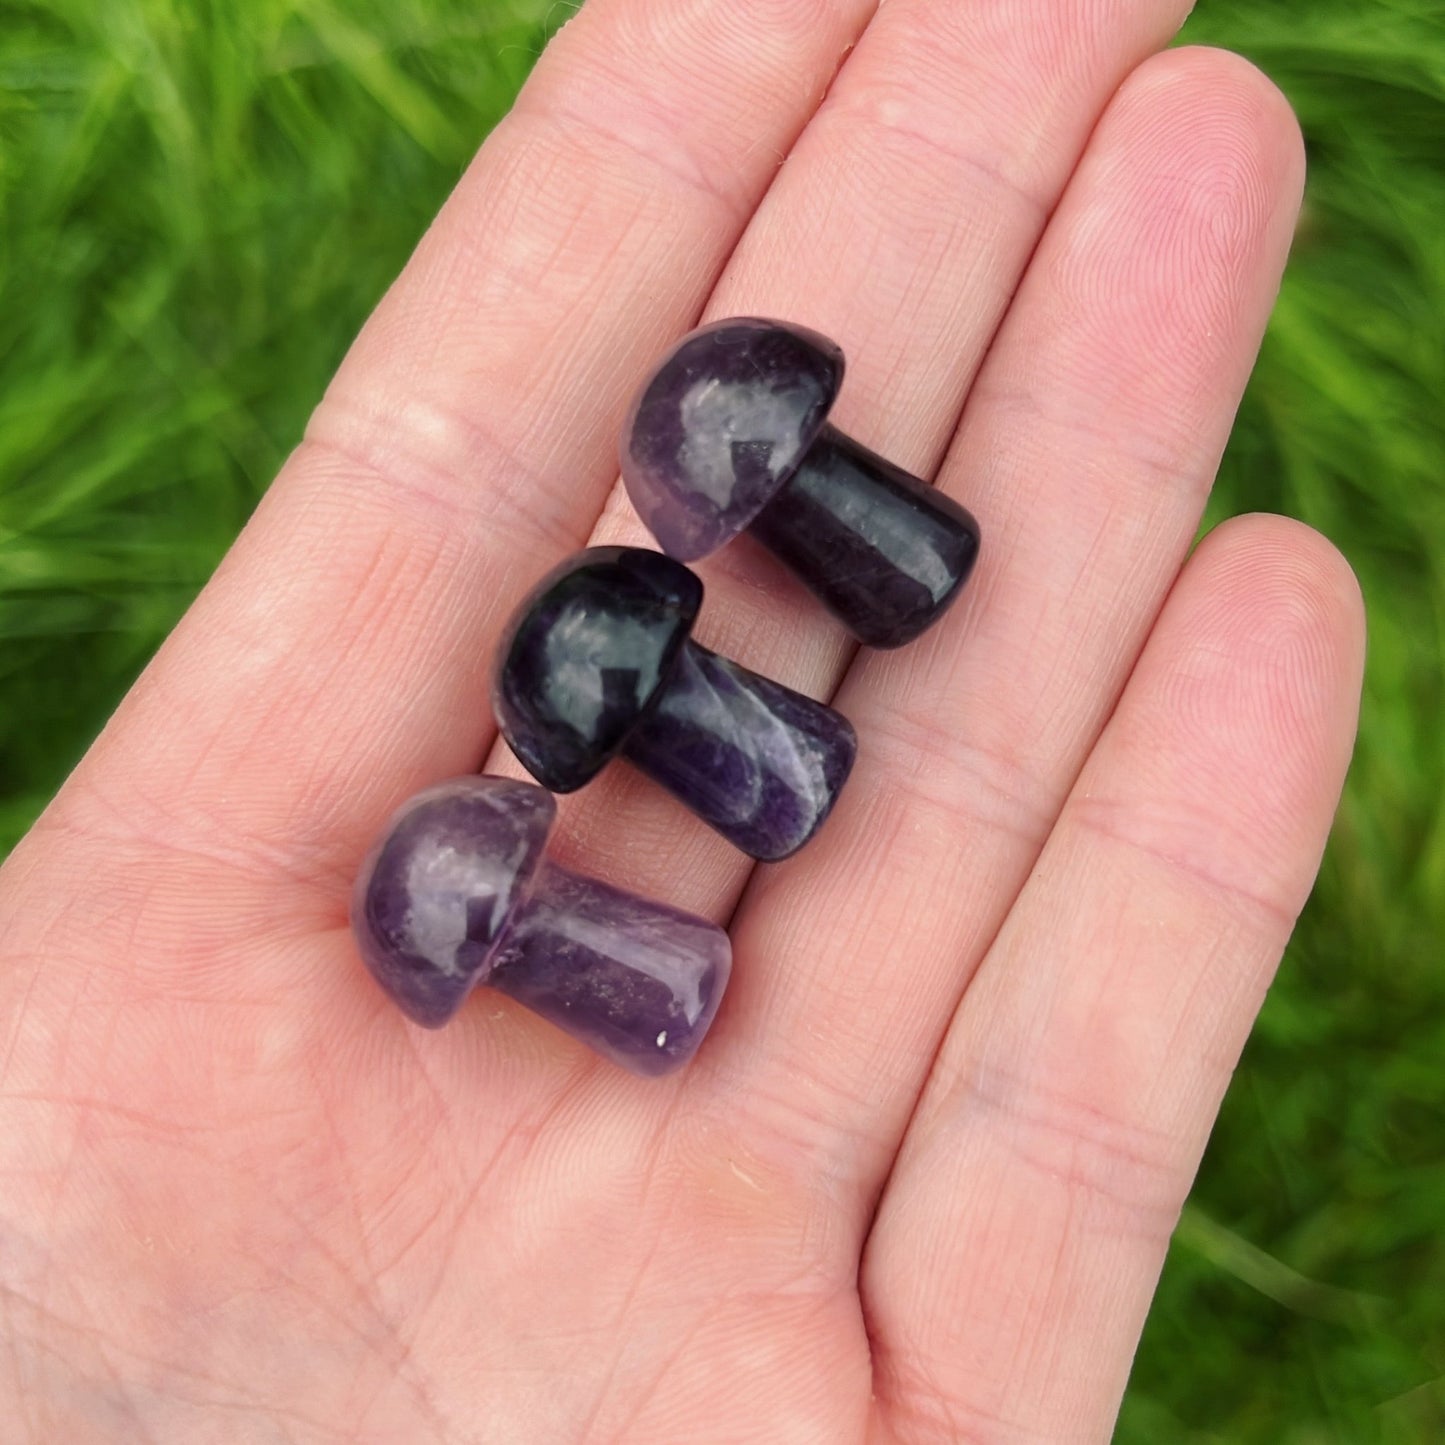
{"x":201,"y":199}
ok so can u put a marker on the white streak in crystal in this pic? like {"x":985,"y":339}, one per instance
{"x":716,"y":414}
{"x":662,"y":1039}
{"x":740,"y":716}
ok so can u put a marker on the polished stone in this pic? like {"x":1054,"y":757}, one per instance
{"x":723,"y":422}
{"x":884,"y":552}
{"x":458,"y":894}
{"x":759,"y":762}
{"x":730,"y":433}
{"x":597,"y":661}
{"x":583,"y":656}
{"x":441,"y":886}
{"x":634,"y":980}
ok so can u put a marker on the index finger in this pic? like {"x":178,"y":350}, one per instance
{"x":338,"y":658}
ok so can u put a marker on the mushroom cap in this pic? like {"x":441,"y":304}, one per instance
{"x":720,"y":426}
{"x":437,"y":893}
{"x":585,"y":656}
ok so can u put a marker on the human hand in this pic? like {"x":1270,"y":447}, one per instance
{"x":918,"y":1184}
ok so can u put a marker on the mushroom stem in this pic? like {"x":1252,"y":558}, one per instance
{"x":757,"y":761}
{"x":882,"y":550}
{"x":636,"y":981}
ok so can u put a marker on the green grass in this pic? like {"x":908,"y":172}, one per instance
{"x":201,"y":199}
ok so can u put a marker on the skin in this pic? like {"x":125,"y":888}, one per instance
{"x":918,"y":1185}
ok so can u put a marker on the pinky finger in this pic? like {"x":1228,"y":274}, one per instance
{"x":1021,"y":1235}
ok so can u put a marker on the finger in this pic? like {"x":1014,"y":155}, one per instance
{"x":1025,"y":1224}
{"x":339,"y":656}
{"x":1088,"y":448}
{"x":900,"y":226}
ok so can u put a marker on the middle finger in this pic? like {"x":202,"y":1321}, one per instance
{"x":900,"y":225}
{"x":1092,"y":438}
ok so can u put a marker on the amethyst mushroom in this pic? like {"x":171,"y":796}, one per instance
{"x":730,"y":433}
{"x":458,"y":894}
{"x":598,"y":661}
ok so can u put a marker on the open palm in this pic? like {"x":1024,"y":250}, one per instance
{"x":918,"y":1184}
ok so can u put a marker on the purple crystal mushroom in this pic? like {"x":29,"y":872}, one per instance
{"x":730,"y":433}
{"x":458,"y":893}
{"x":598,"y":661}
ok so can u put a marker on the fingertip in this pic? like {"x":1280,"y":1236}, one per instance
{"x":1271,"y":115}
{"x":1185,"y":208}
{"x":1207,"y":80}
{"x":1299,"y":584}
{"x":1241,"y":716}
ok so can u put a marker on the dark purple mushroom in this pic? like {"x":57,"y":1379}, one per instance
{"x":458,"y":894}
{"x":731,"y":433}
{"x":598,"y":661}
